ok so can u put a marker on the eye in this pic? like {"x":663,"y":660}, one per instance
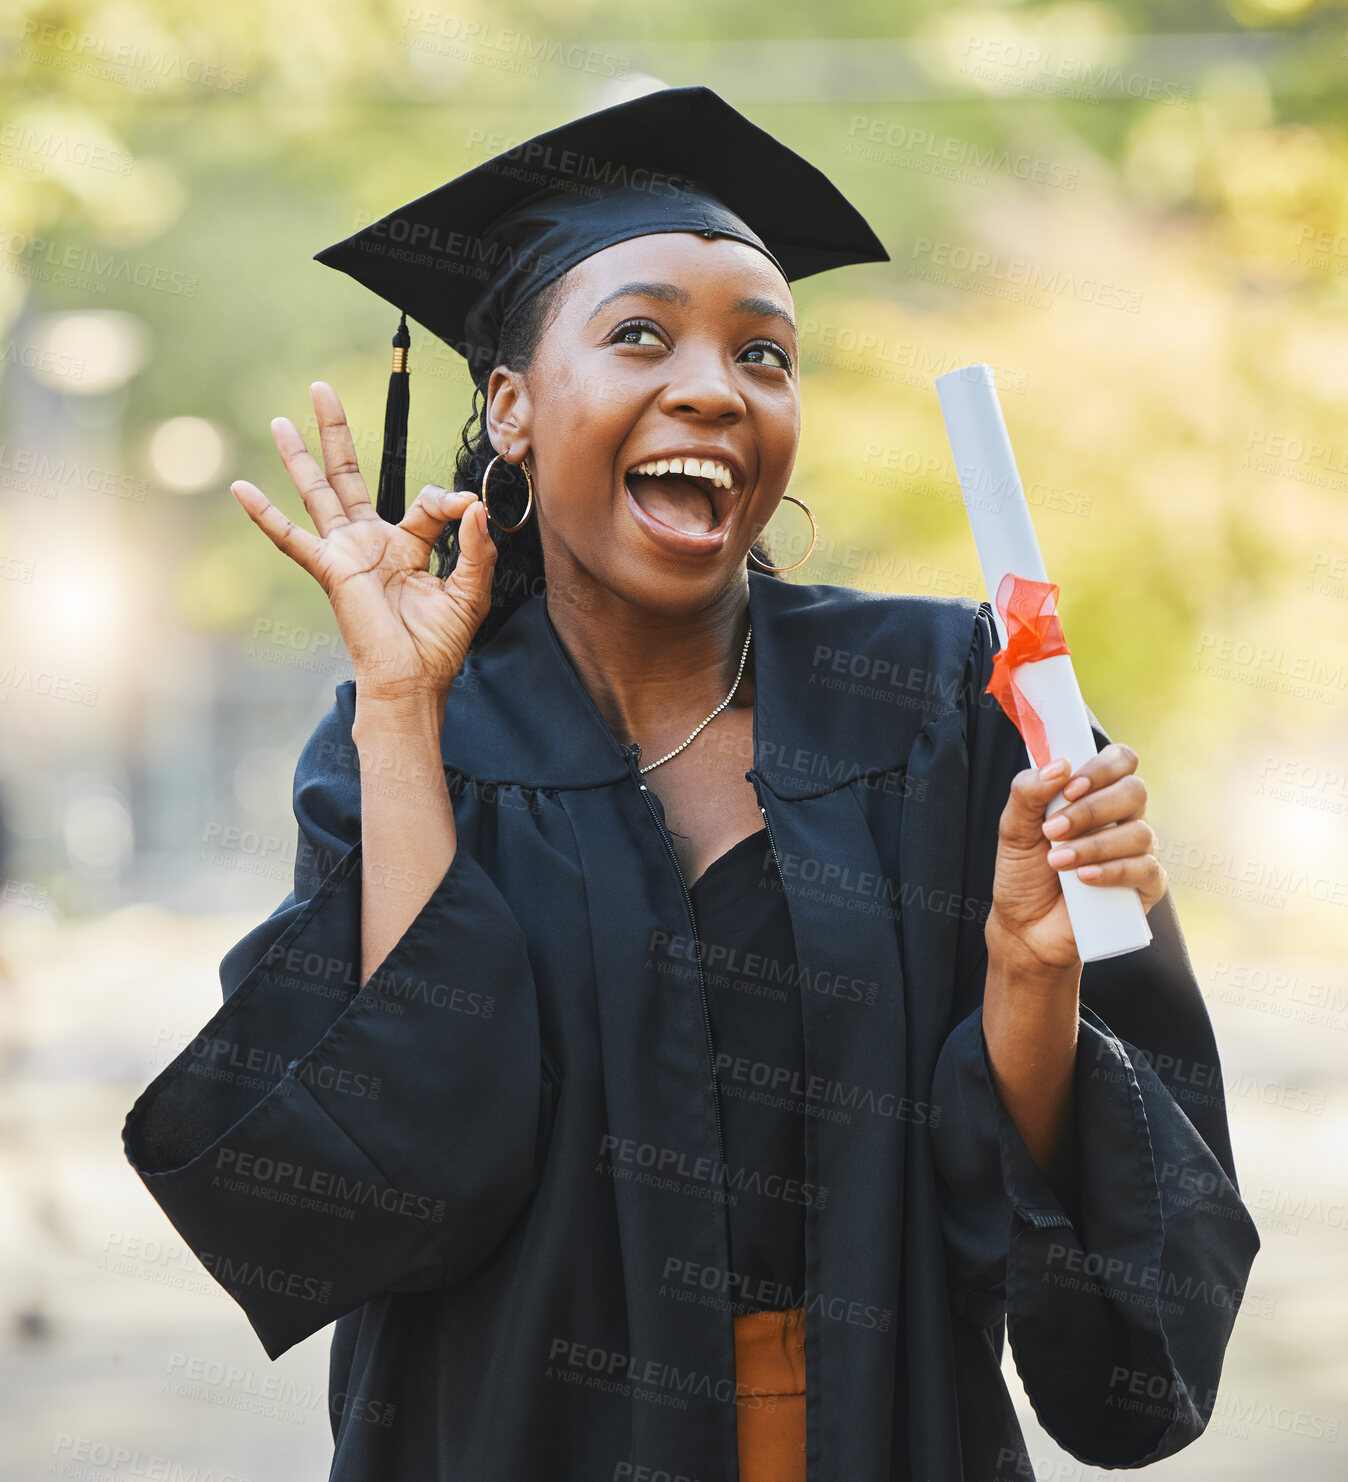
{"x":769,"y":348}
{"x":630,"y":332}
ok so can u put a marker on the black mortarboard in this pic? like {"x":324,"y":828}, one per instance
{"x":462,"y":259}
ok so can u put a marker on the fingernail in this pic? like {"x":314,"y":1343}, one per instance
{"x":1061,"y":856}
{"x":1089,"y":872}
{"x":1052,"y":769}
{"x":1076,"y":787}
{"x":1057,"y":826}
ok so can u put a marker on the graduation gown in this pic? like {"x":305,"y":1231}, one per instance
{"x":496,"y":1165}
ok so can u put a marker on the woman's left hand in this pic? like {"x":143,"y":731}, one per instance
{"x":1028,"y":922}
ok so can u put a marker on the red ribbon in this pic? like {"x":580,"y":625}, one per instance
{"x":1030,"y":611}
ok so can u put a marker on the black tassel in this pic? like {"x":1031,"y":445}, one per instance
{"x":391,"y":502}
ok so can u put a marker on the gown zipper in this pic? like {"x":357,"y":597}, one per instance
{"x":767,"y":822}
{"x":633,"y":754}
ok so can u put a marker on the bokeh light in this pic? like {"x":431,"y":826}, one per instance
{"x":98,"y":830}
{"x":187,"y":453}
{"x":91,"y":352}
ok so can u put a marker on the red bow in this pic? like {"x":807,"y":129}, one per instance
{"x":1033,"y":632}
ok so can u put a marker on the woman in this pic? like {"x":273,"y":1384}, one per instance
{"x":580,"y":1210}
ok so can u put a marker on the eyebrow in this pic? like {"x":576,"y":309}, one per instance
{"x":764,"y":306}
{"x":671,"y":293}
{"x":666,"y":292}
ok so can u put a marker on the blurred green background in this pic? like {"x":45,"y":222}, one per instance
{"x":1138,"y":214}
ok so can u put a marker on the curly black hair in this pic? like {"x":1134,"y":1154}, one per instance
{"x":519,"y":562}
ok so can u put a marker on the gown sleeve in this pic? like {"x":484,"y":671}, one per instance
{"x":320,"y":1143}
{"x":1119,"y":1307}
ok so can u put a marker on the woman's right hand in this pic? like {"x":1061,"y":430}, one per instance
{"x":407,"y":631}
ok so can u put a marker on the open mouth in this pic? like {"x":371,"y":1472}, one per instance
{"x":694,"y":495}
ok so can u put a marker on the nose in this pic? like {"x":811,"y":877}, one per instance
{"x":702,"y":384}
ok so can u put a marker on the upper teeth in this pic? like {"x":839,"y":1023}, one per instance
{"x":705,"y":468}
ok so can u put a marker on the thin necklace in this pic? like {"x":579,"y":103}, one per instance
{"x":744,"y":654}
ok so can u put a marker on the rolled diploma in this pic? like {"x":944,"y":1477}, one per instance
{"x":1107,"y":920}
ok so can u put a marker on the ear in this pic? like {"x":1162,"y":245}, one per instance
{"x":509,"y":414}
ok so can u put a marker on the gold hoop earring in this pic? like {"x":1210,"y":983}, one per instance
{"x":486,"y":474}
{"x":814,"y":536}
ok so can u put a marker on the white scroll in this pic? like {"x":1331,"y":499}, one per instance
{"x":1107,"y":920}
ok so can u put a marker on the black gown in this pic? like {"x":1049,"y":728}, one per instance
{"x":489,"y":1163}
{"x":753,"y":994}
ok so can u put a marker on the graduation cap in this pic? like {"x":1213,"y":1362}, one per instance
{"x":464,"y":258}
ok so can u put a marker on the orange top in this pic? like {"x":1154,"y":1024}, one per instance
{"x":770,"y":1394}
